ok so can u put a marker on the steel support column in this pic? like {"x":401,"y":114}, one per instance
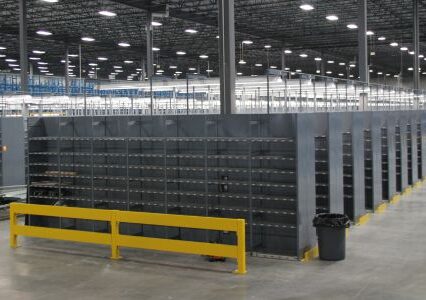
{"x":227,"y":56}
{"x":283,"y":63}
{"x":149,"y":45}
{"x":416,"y":43}
{"x":362,"y":42}
{"x":23,"y":45}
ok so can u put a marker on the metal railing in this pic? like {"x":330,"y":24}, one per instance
{"x":116,"y":240}
{"x":277,"y":92}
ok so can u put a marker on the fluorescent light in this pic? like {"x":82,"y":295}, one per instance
{"x":34,"y":58}
{"x":128,"y":61}
{"x":107,"y":13}
{"x":258,"y":65}
{"x":16,"y":69}
{"x":49,"y":74}
{"x":318,"y":59}
{"x":44,"y":71}
{"x":239,"y":74}
{"x":341,"y":74}
{"x":13,"y":65}
{"x":306,"y":7}
{"x":421,"y":56}
{"x":411,"y":52}
{"x":410,"y":69}
{"x":371,"y":71}
{"x":72,"y":55}
{"x":382,"y":38}
{"x":43,"y":68}
{"x":268,"y":46}
{"x":50,"y":1}
{"x":117,"y":67}
{"x":39,"y":52}
{"x":369,"y":32}
{"x":172,"y":67}
{"x":87,"y":39}
{"x":396,"y":76}
{"x":332,"y":17}
{"x":352,"y":65}
{"x":404,"y":49}
{"x":330,"y":62}
{"x":2,"y":55}
{"x":273,"y":67}
{"x":192,"y":31}
{"x":155,"y":23}
{"x":203,"y":56}
{"x":102,"y":58}
{"x":394,"y":44}
{"x":10,"y":60}
{"x":155,"y":49}
{"x":192,"y":69}
{"x":2,"y":48}
{"x":93,"y":64}
{"x":43,"y":32}
{"x":209,"y":71}
{"x":288,"y":51}
{"x":304,"y":55}
{"x":318,"y":71}
{"x":388,"y":74}
{"x":180,"y":52}
{"x":298,"y":71}
{"x":247,"y":42}
{"x":124,"y":44}
{"x":379,"y":73}
{"x":178,"y":72}
{"x":42,"y":63}
{"x":242,"y":62}
{"x":352,"y":26}
{"x":342,"y":64}
{"x":329,"y":72}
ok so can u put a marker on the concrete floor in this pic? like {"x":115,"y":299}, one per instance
{"x":386,"y":259}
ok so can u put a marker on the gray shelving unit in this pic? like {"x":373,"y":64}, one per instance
{"x":241,"y":166}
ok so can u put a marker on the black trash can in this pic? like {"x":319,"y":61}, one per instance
{"x":331,"y":232}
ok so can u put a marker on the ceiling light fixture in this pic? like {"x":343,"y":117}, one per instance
{"x":318,"y":59}
{"x":87,"y":39}
{"x":191,"y":31}
{"x":369,"y":32}
{"x":39,"y":52}
{"x":34,"y":58}
{"x":303,"y":55}
{"x":352,"y":26}
{"x":288,"y":51}
{"x":203,"y":56}
{"x":156,"y":24}
{"x":43,"y":32}
{"x":124,"y":44}
{"x":258,"y":65}
{"x":247,"y":42}
{"x":242,"y":62}
{"x":394,"y":44}
{"x":155,"y":49}
{"x":180,"y":52}
{"x":332,"y":17}
{"x":306,"y":7}
{"x":10,"y":60}
{"x":268,"y":46}
{"x":102,"y":58}
{"x":107,"y":13}
{"x":128,"y":61}
{"x":382,"y":38}
{"x":404,"y":49}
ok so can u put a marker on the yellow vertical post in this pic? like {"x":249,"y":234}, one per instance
{"x":115,"y":231}
{"x":13,"y":222}
{"x":241,"y":247}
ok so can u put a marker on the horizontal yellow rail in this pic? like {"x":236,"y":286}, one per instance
{"x":117,"y":240}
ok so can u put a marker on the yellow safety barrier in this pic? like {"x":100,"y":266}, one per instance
{"x":117,"y":240}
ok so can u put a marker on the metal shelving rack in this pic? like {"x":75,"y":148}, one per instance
{"x":321,"y":175}
{"x":242,"y":166}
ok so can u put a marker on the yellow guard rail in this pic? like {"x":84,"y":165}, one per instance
{"x":117,"y":240}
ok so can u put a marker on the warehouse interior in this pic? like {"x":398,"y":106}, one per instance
{"x":187,"y":149}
